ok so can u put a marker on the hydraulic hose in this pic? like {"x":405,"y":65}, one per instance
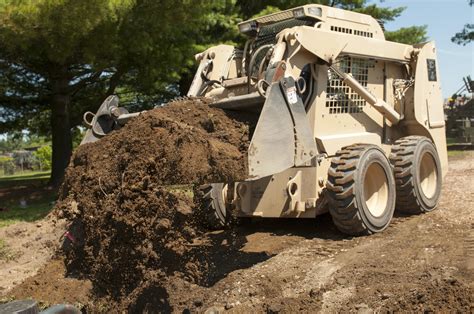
{"x":252,"y":61}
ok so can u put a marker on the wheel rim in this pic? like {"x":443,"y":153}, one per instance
{"x":428,"y":175}
{"x":376,"y":190}
{"x":225,"y":188}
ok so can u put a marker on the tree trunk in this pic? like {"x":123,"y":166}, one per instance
{"x":61,"y":128}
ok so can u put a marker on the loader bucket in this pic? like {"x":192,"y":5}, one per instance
{"x":283,"y":136}
{"x":109,"y":117}
{"x":102,"y":122}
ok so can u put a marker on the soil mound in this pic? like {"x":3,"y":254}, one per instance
{"x":131,"y":217}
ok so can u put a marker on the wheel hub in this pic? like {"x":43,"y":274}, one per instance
{"x":376,"y":190}
{"x":428,"y":175}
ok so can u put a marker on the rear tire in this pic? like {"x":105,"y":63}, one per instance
{"x":361,"y":190}
{"x":211,"y":208}
{"x":417,"y":174}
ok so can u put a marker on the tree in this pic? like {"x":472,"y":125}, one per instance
{"x":59,"y":58}
{"x":408,"y":35}
{"x":18,"y":140}
{"x":44,"y":156}
{"x":7,"y":164}
{"x":465,"y":36}
{"x":10,"y":142}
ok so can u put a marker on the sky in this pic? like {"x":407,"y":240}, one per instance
{"x":444,"y":18}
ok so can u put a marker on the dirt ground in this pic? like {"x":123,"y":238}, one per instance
{"x":30,"y":246}
{"x":420,"y":263}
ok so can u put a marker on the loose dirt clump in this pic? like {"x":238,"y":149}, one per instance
{"x":131,"y":219}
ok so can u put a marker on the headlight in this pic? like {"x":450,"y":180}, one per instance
{"x":247,"y":27}
{"x":298,"y":13}
{"x":315,"y":11}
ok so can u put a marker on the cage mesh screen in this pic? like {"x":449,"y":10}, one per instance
{"x":340,"y":98}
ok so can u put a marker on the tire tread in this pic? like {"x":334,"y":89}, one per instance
{"x":340,"y":185}
{"x":402,"y":159}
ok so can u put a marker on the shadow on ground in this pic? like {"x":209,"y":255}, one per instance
{"x":225,"y":252}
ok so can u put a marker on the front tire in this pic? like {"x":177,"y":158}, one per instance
{"x":417,"y":174}
{"x":210,"y":204}
{"x":361,"y":190}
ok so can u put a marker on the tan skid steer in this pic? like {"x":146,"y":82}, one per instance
{"x":347,"y":121}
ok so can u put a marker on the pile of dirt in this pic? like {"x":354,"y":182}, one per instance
{"x":131,"y":219}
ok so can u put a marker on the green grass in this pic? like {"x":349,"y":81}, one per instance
{"x":31,"y":187}
{"x":35,"y":210}
{"x":27,"y":175}
{"x":457,"y":153}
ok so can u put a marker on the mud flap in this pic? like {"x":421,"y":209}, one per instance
{"x":283,"y":136}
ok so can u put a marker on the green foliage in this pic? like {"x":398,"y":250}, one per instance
{"x":268,"y":10}
{"x":250,"y":8}
{"x":466,"y":35}
{"x":96,"y":46}
{"x":408,"y":35}
{"x":69,"y":55}
{"x":44,"y":155}
{"x":11,"y":141}
{"x":138,"y":47}
{"x":4,"y":159}
{"x":7,"y":164}
{"x":77,"y":135}
{"x":17,"y":141}
{"x":24,"y":160}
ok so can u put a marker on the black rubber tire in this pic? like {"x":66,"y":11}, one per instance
{"x":211,"y":207}
{"x":406,"y":158}
{"x":345,"y":185}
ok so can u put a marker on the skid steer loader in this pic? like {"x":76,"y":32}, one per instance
{"x":347,"y":121}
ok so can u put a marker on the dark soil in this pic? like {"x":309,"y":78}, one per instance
{"x":50,"y":286}
{"x":131,"y":226}
{"x":138,"y":249}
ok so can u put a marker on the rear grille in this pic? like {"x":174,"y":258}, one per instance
{"x":267,"y":33}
